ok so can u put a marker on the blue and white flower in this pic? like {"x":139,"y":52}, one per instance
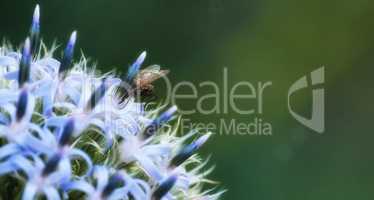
{"x":66,"y":130}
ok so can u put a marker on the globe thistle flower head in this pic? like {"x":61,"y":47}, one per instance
{"x":66,"y":133}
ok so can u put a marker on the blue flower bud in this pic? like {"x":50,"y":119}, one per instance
{"x":68,"y":54}
{"x":22,"y":105}
{"x":159,"y":121}
{"x":51,"y":165}
{"x":24,"y":67}
{"x":67,"y":132}
{"x":187,"y":151}
{"x":164,"y":187}
{"x":134,"y":68}
{"x":35,"y":30}
{"x":97,"y":95}
{"x":114,"y":182}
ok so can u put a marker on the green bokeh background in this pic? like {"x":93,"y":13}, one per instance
{"x":257,"y":40}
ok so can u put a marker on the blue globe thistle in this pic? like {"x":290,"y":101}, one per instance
{"x":68,"y":133}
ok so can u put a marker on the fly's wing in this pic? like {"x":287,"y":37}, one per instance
{"x":150,"y":74}
{"x":153,"y":68}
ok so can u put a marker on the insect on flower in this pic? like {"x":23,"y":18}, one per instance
{"x":64,"y":135}
{"x":139,"y":83}
{"x":144,"y":79}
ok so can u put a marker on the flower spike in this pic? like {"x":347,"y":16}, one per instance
{"x":188,"y":151}
{"x":24,"y":67}
{"x":134,"y":68}
{"x":68,"y":54}
{"x":114,"y":181}
{"x":22,"y":105}
{"x":67,"y":132}
{"x":51,"y":165}
{"x":97,"y":95}
{"x":35,"y":30}
{"x":164,"y":187}
{"x":158,"y":122}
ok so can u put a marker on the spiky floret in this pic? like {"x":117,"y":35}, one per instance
{"x":66,"y":132}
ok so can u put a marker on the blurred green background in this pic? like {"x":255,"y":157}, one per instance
{"x":257,"y":40}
